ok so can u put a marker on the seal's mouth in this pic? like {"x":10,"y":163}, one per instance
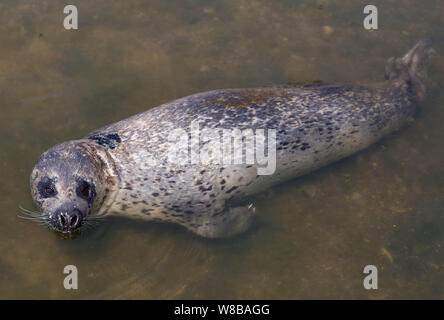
{"x":68,"y":233}
{"x":67,"y":229}
{"x":63,"y":224}
{"x":69,"y":226}
{"x":59,"y":222}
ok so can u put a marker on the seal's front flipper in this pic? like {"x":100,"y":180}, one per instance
{"x":231,"y":221}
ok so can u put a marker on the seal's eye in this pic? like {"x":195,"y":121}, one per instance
{"x":47,"y":188}
{"x":49,"y":191}
{"x":85,"y":190}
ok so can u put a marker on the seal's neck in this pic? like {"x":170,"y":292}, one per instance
{"x":110,"y":181}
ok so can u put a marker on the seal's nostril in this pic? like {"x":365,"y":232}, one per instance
{"x":74,"y":220}
{"x":62,"y":220}
{"x":68,"y":218}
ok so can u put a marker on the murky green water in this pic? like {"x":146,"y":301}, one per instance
{"x":312,"y":237}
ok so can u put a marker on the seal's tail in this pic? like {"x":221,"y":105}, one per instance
{"x":411,"y":68}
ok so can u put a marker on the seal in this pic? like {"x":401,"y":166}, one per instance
{"x":124,"y":168}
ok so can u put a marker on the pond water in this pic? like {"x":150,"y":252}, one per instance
{"x":312,"y":236}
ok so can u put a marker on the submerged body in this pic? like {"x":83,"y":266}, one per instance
{"x":124,"y":169}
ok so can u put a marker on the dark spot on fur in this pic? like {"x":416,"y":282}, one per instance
{"x":202,"y":188}
{"x":111,"y":140}
{"x":110,"y":181}
{"x":231,"y":189}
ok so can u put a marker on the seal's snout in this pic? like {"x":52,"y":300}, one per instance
{"x":68,"y":220}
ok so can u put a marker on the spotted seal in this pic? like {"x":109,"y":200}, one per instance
{"x":122,"y":169}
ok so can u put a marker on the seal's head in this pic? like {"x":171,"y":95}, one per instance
{"x":66,"y":184}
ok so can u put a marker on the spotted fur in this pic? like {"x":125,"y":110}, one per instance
{"x":316,"y":124}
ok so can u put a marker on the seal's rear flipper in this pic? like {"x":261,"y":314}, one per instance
{"x":411,"y":68}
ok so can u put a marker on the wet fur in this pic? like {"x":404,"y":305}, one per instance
{"x":316,"y":124}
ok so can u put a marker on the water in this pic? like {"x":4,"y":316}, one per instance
{"x":312,"y":237}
